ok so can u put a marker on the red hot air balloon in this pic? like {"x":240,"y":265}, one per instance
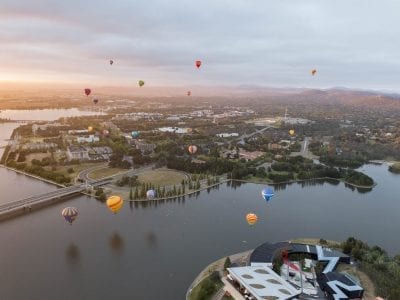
{"x":88,"y":91}
{"x":198,"y":63}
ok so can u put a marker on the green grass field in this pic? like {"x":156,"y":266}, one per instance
{"x":162,"y":177}
{"x":106,"y":172}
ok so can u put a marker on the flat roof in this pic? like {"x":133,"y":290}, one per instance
{"x":262,"y":282}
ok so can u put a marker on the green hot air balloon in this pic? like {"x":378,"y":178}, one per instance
{"x":141,"y":83}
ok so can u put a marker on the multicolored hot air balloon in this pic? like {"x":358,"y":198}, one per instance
{"x":192,"y":149}
{"x":313,"y":72}
{"x":88,"y":91}
{"x":115,"y":203}
{"x":189,"y":93}
{"x":70,"y":214}
{"x":90,"y":128}
{"x":150,"y":194}
{"x":135,"y":134}
{"x":95,"y":100}
{"x":111,"y":62}
{"x":267,"y":193}
{"x":141,"y":83}
{"x":291,"y":131}
{"x":106,"y":132}
{"x":251,"y":219}
{"x":198,"y":63}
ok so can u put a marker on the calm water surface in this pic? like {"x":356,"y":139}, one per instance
{"x":45,"y":114}
{"x":155,"y":252}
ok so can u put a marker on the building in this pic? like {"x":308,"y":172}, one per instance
{"x":77,"y":152}
{"x":247,"y":155}
{"x":99,"y":153}
{"x":39,"y":146}
{"x":88,"y":139}
{"x":224,"y":135}
{"x":143,"y":146}
{"x":261,"y":282}
{"x":36,"y":127}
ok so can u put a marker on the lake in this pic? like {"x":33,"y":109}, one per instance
{"x":45,"y":114}
{"x":155,"y":252}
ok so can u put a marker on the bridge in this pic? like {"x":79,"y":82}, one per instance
{"x":22,"y":205}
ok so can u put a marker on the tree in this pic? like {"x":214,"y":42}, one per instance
{"x":227,"y":263}
{"x":130,"y":194}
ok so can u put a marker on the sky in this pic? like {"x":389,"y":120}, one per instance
{"x":351,"y":43}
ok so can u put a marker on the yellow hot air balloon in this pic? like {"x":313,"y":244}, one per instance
{"x":115,"y":203}
{"x":90,"y":128}
{"x":251,"y":219}
{"x":291,"y":131}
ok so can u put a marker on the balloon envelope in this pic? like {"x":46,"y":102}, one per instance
{"x":251,"y":219}
{"x":111,"y":61}
{"x":150,"y":194}
{"x":90,"y":128}
{"x":115,"y":203}
{"x":313,"y":72}
{"x":135,"y":134}
{"x":141,"y":83}
{"x":95,"y":100}
{"x":189,"y":93}
{"x":70,"y":214}
{"x":198,"y":63}
{"x":192,"y":149}
{"x":267,"y":193}
{"x":291,"y":131}
{"x":88,"y":91}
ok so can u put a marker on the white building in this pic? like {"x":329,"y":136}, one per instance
{"x":224,"y":135}
{"x":87,"y":139}
{"x":261,"y":282}
{"x":77,"y":152}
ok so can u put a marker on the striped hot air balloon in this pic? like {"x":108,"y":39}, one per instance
{"x":70,"y":214}
{"x":115,"y":203}
{"x":251,"y":219}
{"x":192,"y":149}
{"x":150,"y":194}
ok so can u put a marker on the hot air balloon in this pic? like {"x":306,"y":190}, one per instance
{"x":95,"y":100}
{"x":88,"y":91}
{"x":115,"y":203}
{"x":150,"y":194}
{"x":291,"y":131}
{"x":198,"y":63}
{"x":111,"y":62}
{"x":135,"y":134}
{"x":141,"y":83}
{"x":313,"y":72}
{"x":189,"y":93}
{"x":106,"y":132}
{"x":70,"y":214}
{"x":192,"y":149}
{"x":251,"y":219}
{"x":90,"y":128}
{"x":267,"y":193}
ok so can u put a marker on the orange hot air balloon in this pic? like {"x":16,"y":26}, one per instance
{"x":251,"y":219}
{"x":88,"y":91}
{"x":198,"y":63}
{"x":192,"y":149}
{"x":115,"y":203}
{"x":291,"y":131}
{"x":313,"y":72}
{"x":90,"y":128}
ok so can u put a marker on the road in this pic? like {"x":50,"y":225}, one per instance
{"x":246,"y":136}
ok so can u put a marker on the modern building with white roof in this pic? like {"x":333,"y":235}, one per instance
{"x":261,"y":282}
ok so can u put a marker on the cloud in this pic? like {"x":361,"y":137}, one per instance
{"x":263,"y":42}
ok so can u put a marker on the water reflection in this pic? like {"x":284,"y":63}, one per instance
{"x":151,"y":239}
{"x":117,"y":243}
{"x":73,"y":255}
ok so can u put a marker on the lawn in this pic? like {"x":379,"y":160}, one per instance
{"x":206,"y":288}
{"x":105,"y":172}
{"x":77,"y":168}
{"x":162,"y":177}
{"x":37,"y":156}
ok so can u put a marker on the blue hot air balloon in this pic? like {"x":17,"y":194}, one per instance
{"x":135,"y":134}
{"x":267,"y":193}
